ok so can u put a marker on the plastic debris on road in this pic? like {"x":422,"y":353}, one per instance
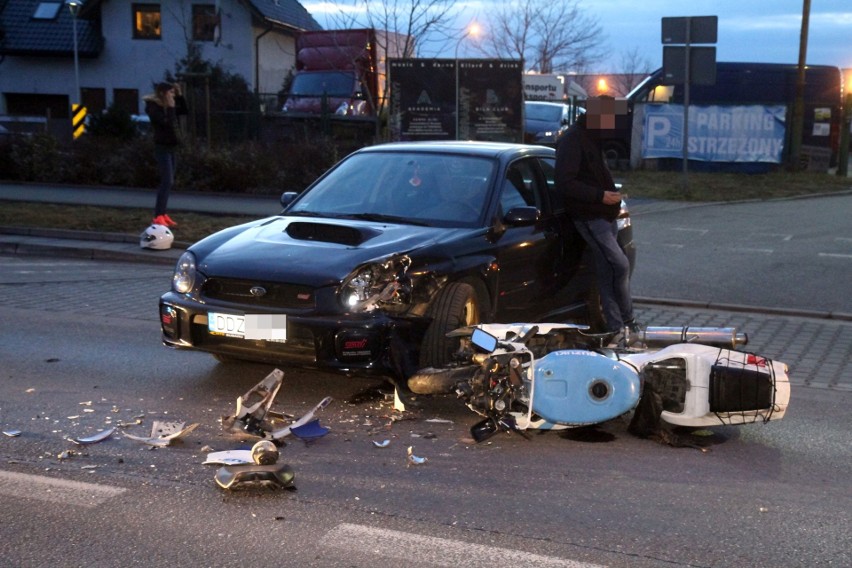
{"x":164,"y":433}
{"x":99,"y":437}
{"x":263,"y":470}
{"x":415,"y":460}
{"x":255,"y":418}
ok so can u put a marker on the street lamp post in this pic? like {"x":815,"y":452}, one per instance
{"x":472,"y":29}
{"x":74,"y":8}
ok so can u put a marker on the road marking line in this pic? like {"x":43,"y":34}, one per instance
{"x":761,"y":251}
{"x":62,"y":491}
{"x":783,"y":236}
{"x":434,"y":550}
{"x":702,"y":231}
{"x":835,"y":255}
{"x":843,"y":239}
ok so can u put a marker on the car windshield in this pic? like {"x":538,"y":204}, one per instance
{"x":544,"y":112}
{"x":406,"y":187}
{"x":331,"y":83}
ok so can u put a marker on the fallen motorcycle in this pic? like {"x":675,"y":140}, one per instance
{"x":555,"y":376}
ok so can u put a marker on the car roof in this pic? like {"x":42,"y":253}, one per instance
{"x":465,"y":147}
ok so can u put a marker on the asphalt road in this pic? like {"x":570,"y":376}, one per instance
{"x":780,"y":254}
{"x":81,"y":352}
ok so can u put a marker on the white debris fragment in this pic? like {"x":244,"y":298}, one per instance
{"x":162,"y":441}
{"x":99,"y":437}
{"x":415,"y":460}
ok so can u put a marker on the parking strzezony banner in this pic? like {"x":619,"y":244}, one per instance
{"x":753,"y":133}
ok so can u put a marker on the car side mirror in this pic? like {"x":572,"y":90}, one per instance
{"x":522,"y":216}
{"x":288,"y":197}
{"x":483,"y":340}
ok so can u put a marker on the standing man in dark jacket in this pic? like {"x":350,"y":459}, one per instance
{"x":593,"y":203}
{"x":163,"y":108}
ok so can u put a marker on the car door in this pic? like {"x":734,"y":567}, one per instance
{"x":526,"y":255}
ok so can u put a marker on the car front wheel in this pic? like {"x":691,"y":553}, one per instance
{"x":455,"y":306}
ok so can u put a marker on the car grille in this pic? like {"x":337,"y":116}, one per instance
{"x":248,"y":292}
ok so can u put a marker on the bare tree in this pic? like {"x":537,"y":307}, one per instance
{"x":547,"y":35}
{"x":633,"y":69}
{"x":417,"y":22}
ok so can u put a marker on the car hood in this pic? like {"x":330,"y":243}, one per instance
{"x":315,"y":252}
{"x":532,"y":125}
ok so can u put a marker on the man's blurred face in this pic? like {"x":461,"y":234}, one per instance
{"x":601,"y":113}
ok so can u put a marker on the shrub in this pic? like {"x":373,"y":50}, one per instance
{"x":38,"y":158}
{"x":112,"y":123}
{"x":248,"y":167}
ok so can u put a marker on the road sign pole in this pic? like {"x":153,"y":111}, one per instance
{"x":687,"y":80}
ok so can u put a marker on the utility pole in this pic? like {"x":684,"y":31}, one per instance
{"x":74,"y":8}
{"x":797,"y":127}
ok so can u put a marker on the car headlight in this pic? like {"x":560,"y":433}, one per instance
{"x":185,"y":271}
{"x":379,"y":284}
{"x":623,"y":221}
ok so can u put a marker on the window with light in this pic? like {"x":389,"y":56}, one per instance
{"x":147,"y":21}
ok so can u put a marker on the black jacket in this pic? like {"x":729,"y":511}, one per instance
{"x":582,"y":175}
{"x":164,"y":121}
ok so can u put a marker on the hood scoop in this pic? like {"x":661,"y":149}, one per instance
{"x":324,"y":232}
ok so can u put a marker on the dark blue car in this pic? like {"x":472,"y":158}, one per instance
{"x":545,"y":122}
{"x":371,"y":266}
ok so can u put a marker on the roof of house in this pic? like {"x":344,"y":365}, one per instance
{"x":286,"y":13}
{"x":22,"y":34}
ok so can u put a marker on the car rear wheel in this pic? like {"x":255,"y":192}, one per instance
{"x":455,"y":306}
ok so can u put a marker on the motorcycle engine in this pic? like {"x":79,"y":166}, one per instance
{"x":495,"y":388}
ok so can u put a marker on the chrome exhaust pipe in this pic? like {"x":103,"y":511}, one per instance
{"x":656,"y":336}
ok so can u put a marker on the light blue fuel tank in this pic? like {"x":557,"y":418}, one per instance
{"x":583,"y":387}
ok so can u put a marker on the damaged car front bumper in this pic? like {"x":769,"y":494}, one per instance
{"x":374,"y":342}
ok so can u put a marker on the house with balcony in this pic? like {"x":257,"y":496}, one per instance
{"x":112,"y":52}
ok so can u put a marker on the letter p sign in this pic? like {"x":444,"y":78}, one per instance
{"x":657,"y":126}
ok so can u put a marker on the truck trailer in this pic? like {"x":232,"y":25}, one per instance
{"x":750,"y":84}
{"x":341,"y":72}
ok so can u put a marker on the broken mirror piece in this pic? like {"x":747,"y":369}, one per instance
{"x":99,"y":437}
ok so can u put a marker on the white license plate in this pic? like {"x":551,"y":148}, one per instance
{"x":268,"y":327}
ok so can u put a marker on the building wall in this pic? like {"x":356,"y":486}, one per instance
{"x":127,"y":63}
{"x":277,"y":58}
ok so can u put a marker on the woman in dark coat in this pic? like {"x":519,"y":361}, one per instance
{"x":163,"y":107}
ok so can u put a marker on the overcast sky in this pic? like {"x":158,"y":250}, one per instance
{"x":749,"y":30}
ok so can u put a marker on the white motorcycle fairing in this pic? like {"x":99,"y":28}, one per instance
{"x":699,"y":385}
{"x":704,"y":386}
